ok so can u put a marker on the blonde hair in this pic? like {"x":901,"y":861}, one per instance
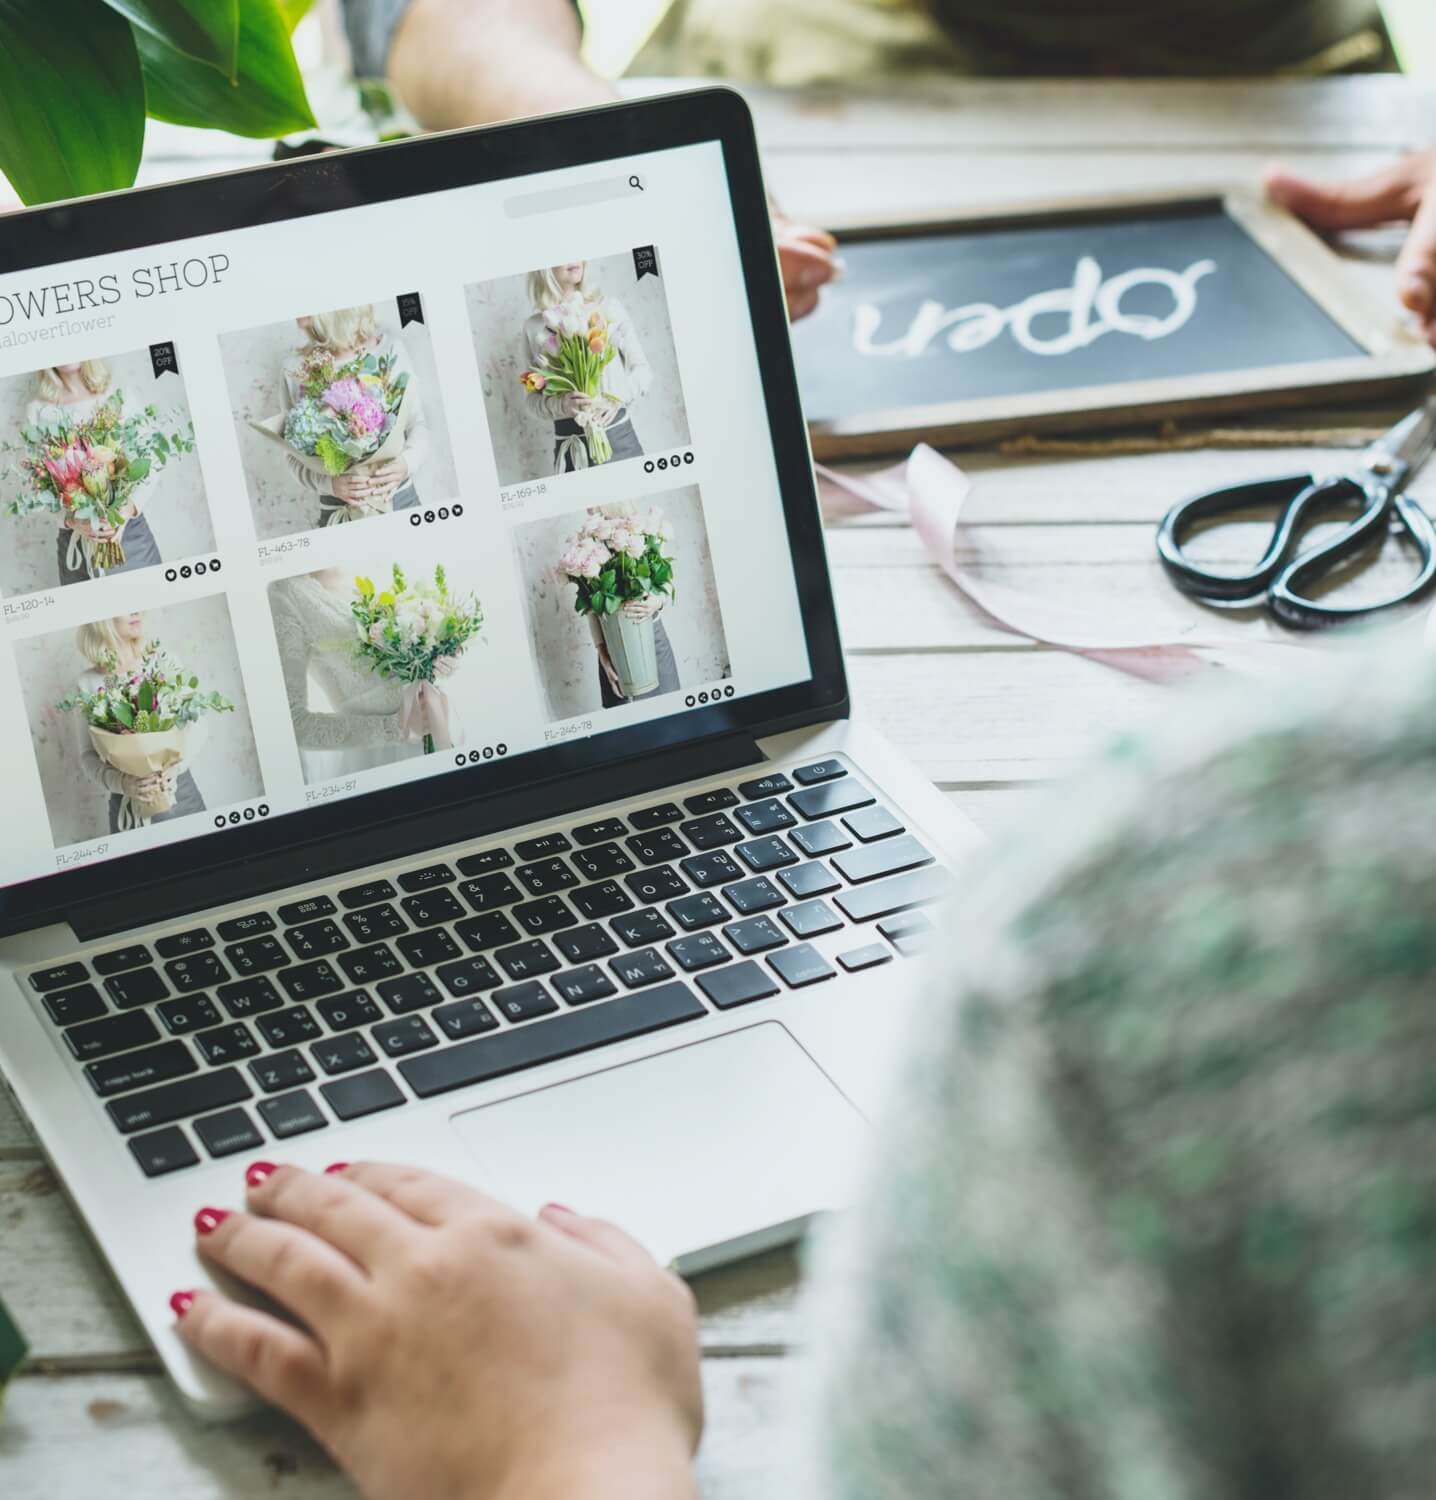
{"x":345,"y":327}
{"x":98,"y":641}
{"x":94,"y":373}
{"x":544,"y":290}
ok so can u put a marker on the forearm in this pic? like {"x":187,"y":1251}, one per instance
{"x":613,"y":1470}
{"x":472,"y":62}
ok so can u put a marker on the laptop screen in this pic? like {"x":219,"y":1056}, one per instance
{"x":347,"y":501}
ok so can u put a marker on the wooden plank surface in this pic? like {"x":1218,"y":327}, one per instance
{"x":989,"y":716}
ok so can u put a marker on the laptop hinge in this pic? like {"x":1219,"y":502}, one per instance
{"x":402,"y":838}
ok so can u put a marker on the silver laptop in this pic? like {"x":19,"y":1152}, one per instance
{"x":429,"y":736}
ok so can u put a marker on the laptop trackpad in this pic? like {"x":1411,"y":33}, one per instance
{"x":689,"y":1151}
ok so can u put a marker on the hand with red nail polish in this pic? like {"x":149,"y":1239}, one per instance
{"x":440,"y":1344}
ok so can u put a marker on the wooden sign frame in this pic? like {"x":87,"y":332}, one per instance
{"x":1396,"y":360}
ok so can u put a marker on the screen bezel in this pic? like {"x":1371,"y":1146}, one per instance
{"x":256,"y":196}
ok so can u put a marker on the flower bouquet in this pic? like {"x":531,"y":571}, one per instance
{"x":617,"y":557}
{"x":404,"y":632}
{"x":577,"y":350}
{"x":143,"y":721}
{"x":348,"y":416}
{"x":91,"y":469}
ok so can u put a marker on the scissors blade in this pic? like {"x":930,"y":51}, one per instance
{"x":1401,"y":452}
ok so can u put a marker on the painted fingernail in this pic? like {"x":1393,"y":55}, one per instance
{"x":336,"y":1166}
{"x":562,"y":1208}
{"x":207,"y":1220}
{"x":258,"y":1171}
{"x":181,"y":1303}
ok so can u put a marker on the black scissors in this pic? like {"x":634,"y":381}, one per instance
{"x":1378,"y":487}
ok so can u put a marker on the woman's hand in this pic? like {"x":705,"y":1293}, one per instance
{"x":96,"y":531}
{"x":605,"y":662}
{"x":149,"y":788}
{"x":444,"y":666}
{"x":808,"y":260}
{"x":1405,"y":191}
{"x":391,"y":476}
{"x":448,"y":1347}
{"x":647,"y":608}
{"x":353,"y":488}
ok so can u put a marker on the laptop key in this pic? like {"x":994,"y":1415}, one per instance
{"x":545,"y":876}
{"x":714,"y":832}
{"x":661,"y":884}
{"x":602,"y":832}
{"x":375,"y":923}
{"x":568,"y":1035}
{"x":371,"y":893}
{"x":408,"y":1034}
{"x":831,"y":798}
{"x":706,"y":870}
{"x":885,"y":898}
{"x":585,"y":985}
{"x":345,"y":1012}
{"x":637,"y":970}
{"x":310,"y":981}
{"x":292,"y":1114}
{"x":701,"y":951}
{"x":370,"y":965}
{"x":307,"y":910}
{"x":606,"y":899}
{"x":867,"y":957}
{"x":134,"y":1070}
{"x":756,"y":935}
{"x":422,"y":950}
{"x":485,"y":861}
{"x":432,"y":907}
{"x":765,"y":817}
{"x":656,"y":816}
{"x":872,"y":823}
{"x":822,"y":838}
{"x":110,"y":1035}
{"x":642,"y":927}
{"x":226,"y":1044}
{"x":162,"y":1151}
{"x":524,"y":1002}
{"x":801,"y":966}
{"x":201,"y":972}
{"x":582,"y":945}
{"x":277,"y":1071}
{"x":527,"y":960}
{"x":316,"y":939}
{"x":288,"y":1027}
{"x":82,"y":1003}
{"x":889,"y":858}
{"x":543,"y":846}
{"x":491,"y":930}
{"x":810,"y":919}
{"x":820,"y":770}
{"x":811,"y":879}
{"x":603,"y":862}
{"x":257,"y":956}
{"x":178,"y":944}
{"x":138,"y":987}
{"x":762,"y":855}
{"x":227,"y":1133}
{"x":59,"y":977}
{"x":465,"y":1018}
{"x":252,"y":924}
{"x":547,"y":914}
{"x":490,"y":892}
{"x":412,"y":992}
{"x":738,"y":984}
{"x":749,"y":897}
{"x":908,"y":933}
{"x":772,"y":785}
{"x":136,"y":956}
{"x":717,"y":800}
{"x":468,"y":976}
{"x":364,"y":1094}
{"x":427,"y":878}
{"x":658,"y":847}
{"x":188,"y":1013}
{"x":342,"y":1054}
{"x":178,"y":1101}
{"x":693,"y":913}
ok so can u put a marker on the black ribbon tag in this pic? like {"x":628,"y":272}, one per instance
{"x":163,"y":360}
{"x":411,"y":310}
{"x":645,"y":262}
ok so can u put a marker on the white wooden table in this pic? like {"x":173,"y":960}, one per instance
{"x":987,"y":715}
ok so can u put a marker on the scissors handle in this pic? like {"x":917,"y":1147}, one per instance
{"x":1298,"y":499}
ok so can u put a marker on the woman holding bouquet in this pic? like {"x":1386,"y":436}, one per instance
{"x":370,"y":720}
{"x":65,"y":396}
{"x":346,"y":334}
{"x":121,"y":641}
{"x":625,"y":380}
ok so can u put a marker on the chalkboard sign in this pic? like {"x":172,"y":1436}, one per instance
{"x":1083,"y":316}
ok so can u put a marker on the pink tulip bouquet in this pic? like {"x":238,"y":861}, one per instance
{"x":577,"y":349}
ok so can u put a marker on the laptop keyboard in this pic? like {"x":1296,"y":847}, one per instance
{"x":297,"y":1017}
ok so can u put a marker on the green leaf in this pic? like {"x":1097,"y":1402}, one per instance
{"x":268,"y":99}
{"x":121,"y":710}
{"x":72,"y":101}
{"x":294,"y":11}
{"x":205,"y":30}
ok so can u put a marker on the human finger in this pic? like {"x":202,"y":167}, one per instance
{"x":279,"y":1362}
{"x":1416,"y":265}
{"x":606,"y":1238}
{"x":341,"y":1214}
{"x":1392,"y":193}
{"x":812,"y":234}
{"x":425,"y":1196}
{"x":806,"y":267}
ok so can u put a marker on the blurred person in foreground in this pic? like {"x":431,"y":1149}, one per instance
{"x":1152,"y":1215}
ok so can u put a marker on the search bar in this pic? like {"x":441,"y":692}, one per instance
{"x":579,"y":195}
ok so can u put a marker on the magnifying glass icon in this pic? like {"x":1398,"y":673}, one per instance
{"x":636,"y":182}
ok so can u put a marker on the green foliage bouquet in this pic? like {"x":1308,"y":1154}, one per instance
{"x":617,"y":556}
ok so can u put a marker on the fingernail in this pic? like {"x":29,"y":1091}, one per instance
{"x":258,"y":1171}
{"x":1416,"y":293}
{"x":207,"y":1220}
{"x":181,"y":1303}
{"x":562,"y":1208}
{"x":336,"y":1166}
